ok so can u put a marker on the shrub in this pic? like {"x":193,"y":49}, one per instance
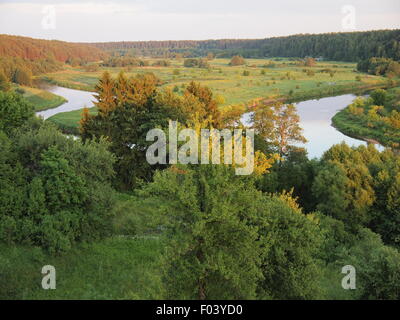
{"x":237,"y":61}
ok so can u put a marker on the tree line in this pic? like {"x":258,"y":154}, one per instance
{"x":22,"y":57}
{"x":344,"y":46}
{"x":36,"y":49}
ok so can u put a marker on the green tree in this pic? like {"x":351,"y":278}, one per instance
{"x":4,"y":83}
{"x":379,"y":97}
{"x":14,"y":111}
{"x":344,"y":186}
{"x":291,"y":245}
{"x":23,"y":76}
{"x":377,"y":267}
{"x":126,"y":124}
{"x":278,"y":124}
{"x":57,"y":191}
{"x":203,"y":259}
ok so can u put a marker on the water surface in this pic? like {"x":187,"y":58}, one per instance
{"x":77,"y":99}
{"x":315,"y":119}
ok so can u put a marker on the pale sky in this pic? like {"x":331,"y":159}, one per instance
{"x":118,"y":20}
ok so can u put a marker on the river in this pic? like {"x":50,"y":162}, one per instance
{"x":315,"y":118}
{"x":77,"y":99}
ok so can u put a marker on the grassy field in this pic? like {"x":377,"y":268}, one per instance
{"x":68,"y":122}
{"x":42,"y":99}
{"x":286,"y":80}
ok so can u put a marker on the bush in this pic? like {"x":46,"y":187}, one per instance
{"x":55,"y":191}
{"x":193,"y":63}
{"x":14,"y":111}
{"x":23,"y":77}
{"x":237,"y":61}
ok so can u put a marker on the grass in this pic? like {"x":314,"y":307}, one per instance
{"x":124,"y":266}
{"x":378,"y":129}
{"x":41,"y":99}
{"x":230,"y":82}
{"x":357,"y":128}
{"x":287,"y":81}
{"x":114,"y":268}
{"x":68,"y":122}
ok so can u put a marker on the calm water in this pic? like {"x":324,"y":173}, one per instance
{"x":315,"y":118}
{"x":77,"y":99}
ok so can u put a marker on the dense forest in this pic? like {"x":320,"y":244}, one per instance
{"x":22,"y":57}
{"x":283,"y":232}
{"x":348,"y":46}
{"x":37,"y":49}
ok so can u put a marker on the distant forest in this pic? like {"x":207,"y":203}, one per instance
{"x":349,"y":46}
{"x":22,"y":57}
{"x":37,"y":49}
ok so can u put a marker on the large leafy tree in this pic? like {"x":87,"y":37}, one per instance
{"x":55,"y":191}
{"x":14,"y":111}
{"x":208,"y":108}
{"x":212,"y":251}
{"x":291,"y":242}
{"x":344,"y":186}
{"x":136,"y":106}
{"x":134,"y":111}
{"x":227,"y":240}
{"x":279,"y":125}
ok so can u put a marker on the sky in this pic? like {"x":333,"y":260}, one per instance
{"x":124,"y":20}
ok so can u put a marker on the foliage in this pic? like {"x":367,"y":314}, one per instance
{"x":199,"y":63}
{"x":237,"y":61}
{"x":375,"y":118}
{"x":61,"y":189}
{"x":278,"y":124}
{"x":14,"y":111}
{"x":4,"y":83}
{"x":109,"y":269}
{"x":380,"y":66}
{"x":34,"y":49}
{"x":270,"y":256}
{"x":339,"y":46}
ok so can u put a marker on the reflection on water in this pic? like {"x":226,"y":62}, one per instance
{"x":77,"y":99}
{"x":315,"y":119}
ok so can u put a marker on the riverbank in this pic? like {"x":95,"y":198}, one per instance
{"x":325,"y":93}
{"x":41,"y":99}
{"x":358,"y":129}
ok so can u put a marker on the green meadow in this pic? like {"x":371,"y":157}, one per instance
{"x":41,"y":99}
{"x":233,"y":85}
